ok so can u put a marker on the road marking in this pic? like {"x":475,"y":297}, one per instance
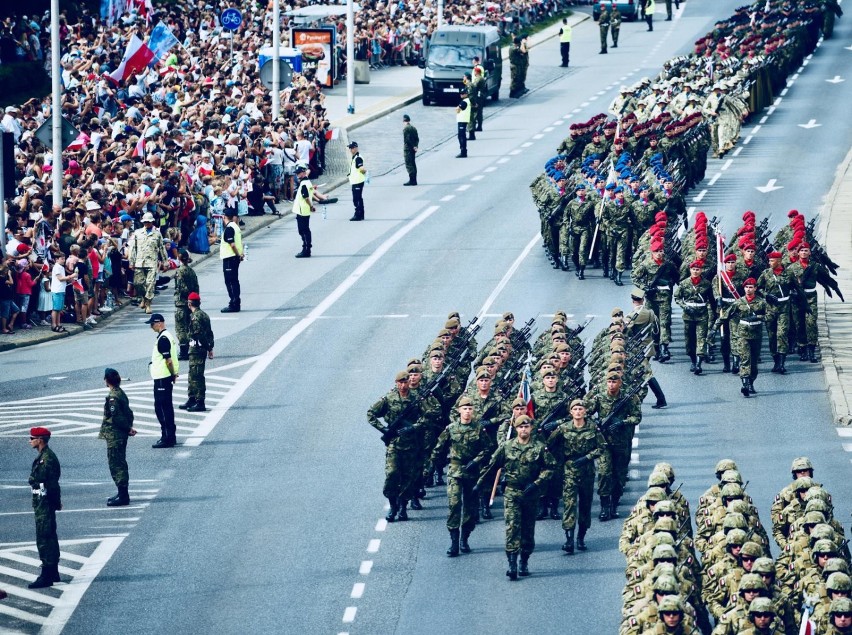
{"x":700,"y":196}
{"x":550,"y":128}
{"x":810,"y":125}
{"x":221,"y":319}
{"x":448,"y":197}
{"x":737,"y":151}
{"x":381,"y":525}
{"x":503,"y":160}
{"x":283,"y":317}
{"x":183,"y":455}
{"x":538,"y":136}
{"x":514,"y":152}
{"x":72,"y":511}
{"x":747,"y":140}
{"x":600,"y":92}
{"x":777,"y":101}
{"x":770,"y":110}
{"x":764,"y":118}
{"x":835,"y":80}
{"x":726,"y":165}
{"x":508,"y":275}
{"x":593,"y":98}
{"x":526,"y":144}
{"x":374,"y":545}
{"x":349,"y":614}
{"x":357,"y":590}
{"x":844,"y":432}
{"x":784,"y":92}
{"x":490,"y":168}
{"x":584,"y":104}
{"x":463,"y":188}
{"x":755,"y":130}
{"x":558,"y":123}
{"x":714,"y":179}
{"x":769,"y":187}
{"x":58,"y":378}
{"x":366,"y":567}
{"x":478,"y":177}
{"x":574,"y":112}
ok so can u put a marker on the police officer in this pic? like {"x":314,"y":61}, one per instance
{"x":463,"y":112}
{"x":410,"y":141}
{"x":186,"y":282}
{"x":232,"y":254}
{"x":164,"y":368}
{"x":303,"y":207}
{"x":202,"y":349}
{"x":47,"y":499}
{"x":115,"y":428}
{"x":357,"y":177}
{"x":565,"y":42}
{"x":650,"y":7}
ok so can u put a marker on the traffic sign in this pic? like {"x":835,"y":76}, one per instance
{"x":231,"y":19}
{"x":285,"y":74}
{"x":45,"y":133}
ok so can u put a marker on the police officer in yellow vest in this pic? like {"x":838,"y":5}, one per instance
{"x":565,"y":42}
{"x":357,"y":176}
{"x":462,"y":119}
{"x":303,"y":207}
{"x":650,"y":7}
{"x":164,"y":367}
{"x":231,"y":253}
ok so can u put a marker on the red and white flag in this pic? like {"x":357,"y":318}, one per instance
{"x":332,"y":134}
{"x":136,"y":58}
{"x":139,"y":149}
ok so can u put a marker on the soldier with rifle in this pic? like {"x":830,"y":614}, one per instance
{"x":549,"y":404}
{"x":643,"y":320}
{"x":726,"y":286}
{"x":781,"y":291}
{"x":657,"y":277}
{"x":447,"y":394}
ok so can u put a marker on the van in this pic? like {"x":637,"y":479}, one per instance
{"x":629,"y":9}
{"x":449,"y":56}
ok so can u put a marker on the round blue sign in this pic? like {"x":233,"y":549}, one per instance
{"x":231,"y":19}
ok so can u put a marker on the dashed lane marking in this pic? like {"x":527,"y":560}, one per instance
{"x":700,"y":196}
{"x":477,"y":177}
{"x":737,"y":151}
{"x":448,"y":197}
{"x":357,"y":590}
{"x":462,"y":188}
{"x":373,"y":545}
{"x":349,"y":614}
{"x":726,"y":165}
{"x":366,"y":567}
{"x":747,"y":140}
{"x":715,"y":178}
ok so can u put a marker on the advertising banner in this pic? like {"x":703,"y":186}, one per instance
{"x":317,"y":46}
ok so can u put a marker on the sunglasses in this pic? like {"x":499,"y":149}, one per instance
{"x":764,"y":614}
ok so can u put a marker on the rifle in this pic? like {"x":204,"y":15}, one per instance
{"x":575,"y":332}
{"x":607,"y":424}
{"x":521,"y":337}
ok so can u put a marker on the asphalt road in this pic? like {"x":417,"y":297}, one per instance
{"x":268,"y":518}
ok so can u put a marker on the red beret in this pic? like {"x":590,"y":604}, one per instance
{"x":39,"y":432}
{"x":749,"y":246}
{"x":748,"y":215}
{"x":660,"y":216}
{"x":731,"y":258}
{"x":194,"y":296}
{"x":749,"y":281}
{"x":792,"y":213}
{"x":799,"y":234}
{"x":696,"y":264}
{"x":793,"y":244}
{"x":775,"y":254}
{"x":700,"y":216}
{"x":701,"y":244}
{"x":805,"y":245}
{"x":656,"y":245}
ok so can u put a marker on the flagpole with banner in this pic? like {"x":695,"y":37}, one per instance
{"x":609,"y":179}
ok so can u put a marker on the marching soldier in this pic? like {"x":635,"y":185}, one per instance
{"x":693,"y":296}
{"x":527,"y":465}
{"x":47,"y":499}
{"x":115,"y":428}
{"x":807,"y":273}
{"x":202,"y":349}
{"x":777,"y":286}
{"x":638,"y":320}
{"x":656,"y":276}
{"x":186,"y":282}
{"x":603,"y":25}
{"x":614,"y":24}
{"x":580,"y":216}
{"x":147,"y":253}
{"x":750,"y":311}
{"x":726,"y":291}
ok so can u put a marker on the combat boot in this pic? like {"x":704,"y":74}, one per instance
{"x":542,"y":509}
{"x":745,"y":388}
{"x":803,"y":353}
{"x":45,"y":578}
{"x":121,"y":499}
{"x":197,"y":406}
{"x":692,"y":365}
{"x":403,"y":510}
{"x":581,"y":539}
{"x":486,"y":507}
{"x":453,"y":551}
{"x":654,"y":385}
{"x":439,"y":478}
{"x":524,"y":571}
{"x":812,"y":354}
{"x":782,"y":359}
{"x":512,"y":557}
{"x":429,"y":481}
{"x":776,"y":368}
{"x":394,"y":508}
{"x":189,"y":402}
{"x":606,"y":270}
{"x":606,"y":503}
{"x":415,"y":504}
{"x":464,"y":547}
{"x":183,"y":354}
{"x":582,"y":275}
{"x":554,"y":509}
{"x":751,"y":389}
{"x":735,"y":367}
{"x":471,"y":136}
{"x":568,"y":547}
{"x":613,"y":508}
{"x":564,"y":264}
{"x":665,"y":355}
{"x":164,"y":442}
{"x":54,"y":573}
{"x":618,"y":281}
{"x":726,"y":363}
{"x":698,"y":370}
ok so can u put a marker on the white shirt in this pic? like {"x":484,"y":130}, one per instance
{"x":57,"y":285}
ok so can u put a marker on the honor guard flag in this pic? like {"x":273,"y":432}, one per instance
{"x":136,"y":58}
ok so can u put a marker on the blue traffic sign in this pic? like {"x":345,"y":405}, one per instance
{"x":231,"y":19}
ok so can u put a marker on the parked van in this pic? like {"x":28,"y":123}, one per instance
{"x":450,"y":55}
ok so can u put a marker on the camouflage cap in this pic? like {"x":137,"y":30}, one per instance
{"x":801,"y":463}
{"x":732,"y":490}
{"x":814,"y":518}
{"x":438,"y":343}
{"x":670,"y":604}
{"x":822,"y":532}
{"x":637,"y":293}
{"x":739,"y":506}
{"x":751,"y":582}
{"x":824,"y":547}
{"x":735,"y":538}
{"x":817,"y":505}
{"x":658,"y":479}
{"x":835,"y":565}
{"x":763,"y":565}
{"x":561,"y":348}
{"x":666,"y":468}
{"x":839,"y":581}
{"x":725,"y":464}
{"x":491,"y":360}
{"x":613,"y":376}
{"x":453,"y":314}
{"x":840,"y":605}
{"x":546,"y":372}
{"x":482,"y":373}
{"x":522,"y":420}
{"x":818,"y":492}
{"x":464,"y":400}
{"x":561,"y":314}
{"x":444,"y":333}
{"x":655,"y":494}
{"x":752,"y":550}
{"x":662,"y":568}
{"x":664,"y":507}
{"x":663,"y":538}
{"x":761,"y":605}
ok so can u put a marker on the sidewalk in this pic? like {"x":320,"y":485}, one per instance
{"x":835,"y":317}
{"x":389,"y":90}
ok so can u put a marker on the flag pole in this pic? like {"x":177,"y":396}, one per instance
{"x":56,"y":99}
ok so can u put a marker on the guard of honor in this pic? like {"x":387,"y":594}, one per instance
{"x":721,"y":577}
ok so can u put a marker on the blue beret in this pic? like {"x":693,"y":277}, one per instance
{"x":610,"y":186}
{"x":619,"y":189}
{"x":582,"y":186}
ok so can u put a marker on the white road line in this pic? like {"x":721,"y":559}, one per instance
{"x":634,"y":474}
{"x":770,"y":110}
{"x":847,"y":447}
{"x":550,"y":128}
{"x":755,"y":130}
{"x":538,"y":136}
{"x":764,"y":118}
{"x":349,"y":614}
{"x":805,"y":63}
{"x":526,"y":144}
{"x":777,"y":102}
{"x":508,"y":275}
{"x":381,"y":525}
{"x":700,"y":196}
{"x":715,"y":178}
{"x":593,"y":98}
{"x":844,"y":432}
{"x":448,"y":197}
{"x":784,"y":92}
{"x":357,"y":590}
{"x":283,"y":317}
{"x":737,"y":151}
{"x":478,"y":177}
{"x":374,"y":545}
{"x":183,"y":455}
{"x":71,"y":511}
{"x":558,"y":123}
{"x":747,"y":140}
{"x":584,"y":104}
{"x":801,"y":68}
{"x":22,"y":615}
{"x":503,"y":160}
{"x":727,"y":164}
{"x":366,"y":567}
{"x":282,"y":343}
{"x":514,"y":152}
{"x":462,"y":188}
{"x":490,"y":168}
{"x":574,"y":112}
{"x":600,"y":92}
{"x":634,"y":458}
{"x":392,"y":316}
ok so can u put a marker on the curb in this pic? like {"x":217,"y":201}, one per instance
{"x":832,"y":366}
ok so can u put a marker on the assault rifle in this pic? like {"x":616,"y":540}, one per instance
{"x":611,"y":423}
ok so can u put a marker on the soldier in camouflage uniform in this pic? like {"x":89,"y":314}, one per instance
{"x":527,"y":465}
{"x":478,"y":96}
{"x":807,"y":273}
{"x":840,"y":620}
{"x":777,"y":286}
{"x":147,"y":252}
{"x":615,"y":24}
{"x":186,"y":282}
{"x":465,"y":443}
{"x":693,"y":295}
{"x":749,"y":311}
{"x":603,"y":25}
{"x":672,"y":619}
{"x":579,"y":444}
{"x":47,"y":499}
{"x":764,"y":619}
{"x":203,"y":341}
{"x":579,"y":214}
{"x":410,"y":142}
{"x":618,"y":218}
{"x":657,"y":276}
{"x":115,"y":428}
{"x":801,"y":467}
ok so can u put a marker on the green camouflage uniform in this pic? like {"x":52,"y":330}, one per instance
{"x":523,"y":465}
{"x":603,"y":24}
{"x":616,"y":217}
{"x":46,"y":472}
{"x":401,"y":454}
{"x":807,"y":278}
{"x":581,"y":215}
{"x":186,"y":282}
{"x":410,"y":140}
{"x":659,"y":299}
{"x":146,"y":251}
{"x":750,"y":316}
{"x":621,"y":440}
{"x":478,"y":87}
{"x":615,"y":25}
{"x":118,"y":419}
{"x":777,"y":284}
{"x":697,"y":315}
{"x":202,"y":342}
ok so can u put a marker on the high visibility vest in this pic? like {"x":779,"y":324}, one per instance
{"x":225,"y":250}
{"x":463,"y":116}
{"x":565,"y":34}
{"x":302,"y":205}
{"x":650,"y":8}
{"x":158,"y":367}
{"x":355,"y":175}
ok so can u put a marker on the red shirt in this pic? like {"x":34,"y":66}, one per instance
{"x":25,"y":283}
{"x":95,"y":262}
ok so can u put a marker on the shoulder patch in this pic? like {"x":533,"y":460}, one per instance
{"x":637,"y":589}
{"x":777,"y":497}
{"x":633,"y":621}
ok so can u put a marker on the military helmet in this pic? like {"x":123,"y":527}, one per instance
{"x":725,"y":464}
{"x":663,"y":538}
{"x":732,"y":490}
{"x":670,"y":604}
{"x":763,"y":565}
{"x":839,"y":581}
{"x":761,"y":605}
{"x":655,"y":494}
{"x":666,"y":584}
{"x":731,"y":476}
{"x":665,"y":524}
{"x":733,"y":520}
{"x":801,"y":463}
{"x":814,"y":518}
{"x":667,"y":469}
{"x":739,"y":506}
{"x":735,"y":537}
{"x":752,"y":549}
{"x":822,"y":532}
{"x":840,"y":605}
{"x":662,"y":568}
{"x":803,"y":484}
{"x":818,"y":492}
{"x":664,"y":507}
{"x":751,"y":582}
{"x":816,"y":504}
{"x":664,"y":552}
{"x":824,"y":546}
{"x":835,"y":565}
{"x":658,"y":479}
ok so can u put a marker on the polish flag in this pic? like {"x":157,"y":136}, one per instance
{"x":136,"y":58}
{"x":139,"y":149}
{"x":332,"y":134}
